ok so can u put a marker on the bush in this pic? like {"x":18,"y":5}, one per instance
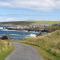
{"x":4,"y":37}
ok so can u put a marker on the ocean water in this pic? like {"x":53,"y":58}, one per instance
{"x":16,"y":35}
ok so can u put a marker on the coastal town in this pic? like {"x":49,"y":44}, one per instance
{"x":30,"y":27}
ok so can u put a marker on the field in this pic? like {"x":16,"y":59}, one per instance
{"x":48,"y":46}
{"x":5,"y":49}
{"x":31,"y":22}
{"x":47,"y":22}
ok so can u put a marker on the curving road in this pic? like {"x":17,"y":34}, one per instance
{"x":23,"y":52}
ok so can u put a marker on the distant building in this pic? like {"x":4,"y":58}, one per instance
{"x":1,"y":28}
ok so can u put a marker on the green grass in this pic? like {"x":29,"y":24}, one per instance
{"x":48,"y":46}
{"x":5,"y":49}
{"x":46,"y":22}
{"x":30,"y":22}
{"x":5,"y":53}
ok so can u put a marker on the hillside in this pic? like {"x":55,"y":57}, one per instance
{"x":17,"y":22}
{"x":30,"y":22}
{"x":46,"y":22}
{"x":48,"y":46}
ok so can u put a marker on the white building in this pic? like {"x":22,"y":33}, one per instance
{"x":1,"y":28}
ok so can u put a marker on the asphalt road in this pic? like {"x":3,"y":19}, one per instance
{"x":23,"y":52}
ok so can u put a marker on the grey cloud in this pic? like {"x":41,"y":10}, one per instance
{"x":32,"y":4}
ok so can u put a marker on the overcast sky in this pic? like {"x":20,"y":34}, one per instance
{"x":28,"y":10}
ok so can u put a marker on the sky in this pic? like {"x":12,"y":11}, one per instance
{"x":29,"y":10}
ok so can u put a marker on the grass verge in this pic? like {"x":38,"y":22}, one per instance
{"x":5,"y":49}
{"x":5,"y":53}
{"x":48,"y":46}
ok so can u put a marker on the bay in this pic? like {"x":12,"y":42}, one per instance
{"x":16,"y":35}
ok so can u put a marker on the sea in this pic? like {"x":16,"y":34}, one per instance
{"x":17,"y":35}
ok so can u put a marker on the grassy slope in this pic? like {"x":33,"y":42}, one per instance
{"x":48,"y":46}
{"x":17,"y":22}
{"x":5,"y":53}
{"x":46,"y":22}
{"x":30,"y":22}
{"x":5,"y":49}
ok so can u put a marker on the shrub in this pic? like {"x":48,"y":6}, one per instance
{"x":4,"y":37}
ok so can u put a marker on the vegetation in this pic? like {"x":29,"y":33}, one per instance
{"x":31,"y":22}
{"x":46,"y":22}
{"x":54,"y":27}
{"x":17,"y":23}
{"x":48,"y":45}
{"x":4,"y":37}
{"x":5,"y":49}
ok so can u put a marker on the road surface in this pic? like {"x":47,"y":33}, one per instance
{"x":23,"y":52}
